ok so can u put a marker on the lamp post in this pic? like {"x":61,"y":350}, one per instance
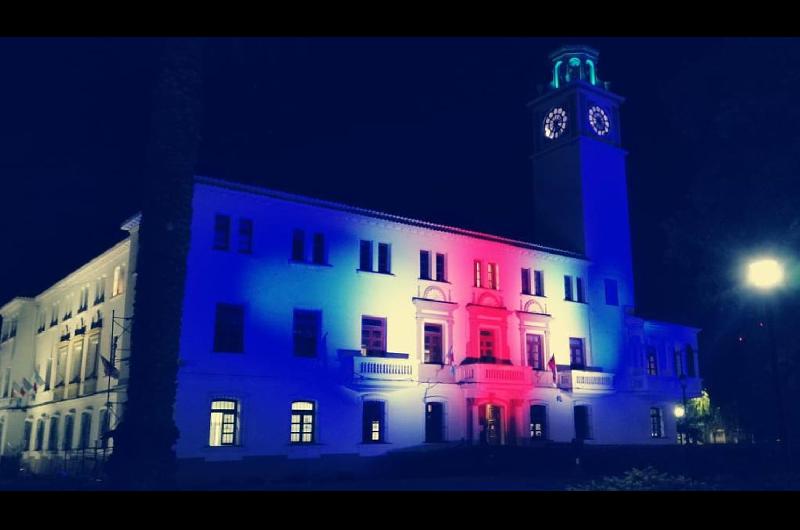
{"x":766,"y":275}
{"x":681,"y":412}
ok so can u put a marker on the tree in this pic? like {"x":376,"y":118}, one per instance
{"x":144,"y":453}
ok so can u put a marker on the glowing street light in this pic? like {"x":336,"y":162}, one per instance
{"x":765,"y":273}
{"x":679,"y":411}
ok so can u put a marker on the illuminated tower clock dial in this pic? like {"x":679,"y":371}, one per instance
{"x":599,"y":120}
{"x":555,"y":123}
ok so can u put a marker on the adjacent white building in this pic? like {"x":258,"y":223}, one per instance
{"x":313,"y":328}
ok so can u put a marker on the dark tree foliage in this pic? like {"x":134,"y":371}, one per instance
{"x":743,"y":202}
{"x":144,"y":454}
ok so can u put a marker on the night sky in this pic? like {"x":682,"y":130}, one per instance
{"x":432,"y":128}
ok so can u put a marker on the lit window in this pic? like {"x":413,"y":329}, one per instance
{"x":302,"y":428}
{"x":224,"y":428}
{"x":118,"y":286}
{"x":656,"y":425}
{"x":533,"y":346}
{"x":477,"y":273}
{"x":433,"y":343}
{"x":538,"y":422}
{"x":373,"y":334}
{"x":487,"y":345}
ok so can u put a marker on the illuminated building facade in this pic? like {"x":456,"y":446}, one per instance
{"x":313,"y":328}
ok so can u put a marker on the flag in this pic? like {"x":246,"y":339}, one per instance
{"x":16,"y":388}
{"x":451,"y":360}
{"x":26,"y":384}
{"x":551,"y":364}
{"x":37,"y":381}
{"x":108,"y":368}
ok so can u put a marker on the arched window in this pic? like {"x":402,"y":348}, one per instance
{"x":52,"y":440}
{"x":303,"y":421}
{"x":26,"y":437}
{"x":69,"y":428}
{"x":39,"y":434}
{"x":86,"y":429}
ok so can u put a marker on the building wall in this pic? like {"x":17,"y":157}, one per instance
{"x":267,"y":376}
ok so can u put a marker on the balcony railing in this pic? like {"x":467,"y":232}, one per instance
{"x":586,"y":381}
{"x":494,"y":373}
{"x":383,"y":368}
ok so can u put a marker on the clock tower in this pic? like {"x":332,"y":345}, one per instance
{"x":580,"y":193}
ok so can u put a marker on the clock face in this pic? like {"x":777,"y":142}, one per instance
{"x":599,"y":120}
{"x":555,"y":123}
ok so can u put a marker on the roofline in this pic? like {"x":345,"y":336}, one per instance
{"x":248,"y":188}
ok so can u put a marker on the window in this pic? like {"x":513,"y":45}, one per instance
{"x":298,"y":246}
{"x":577,"y":357}
{"x":373,"y":422}
{"x":433,"y":343}
{"x":691,"y":370}
{"x":306,"y":329}
{"x":103,"y":427}
{"x":54,"y":316}
{"x":302,"y":422}
{"x":365,"y":255}
{"x":7,"y":383}
{"x":612,"y":297}
{"x":373,"y":334}
{"x":656,"y":425}
{"x":583,"y":426}
{"x":92,"y":355}
{"x":434,"y":422}
{"x":538,"y":283}
{"x":384,"y":258}
{"x":222,"y":229}
{"x":52,"y":439}
{"x":318,"y":250}
{"x":568,"y":288}
{"x":42,"y":318}
{"x":77,"y":362}
{"x":526,"y":281}
{"x":69,"y":427}
{"x":118,"y":287}
{"x":477,"y":273}
{"x":86,"y":430}
{"x":39,"y":444}
{"x":68,"y":308}
{"x":224,"y":428}
{"x":538,"y":422}
{"x":579,"y":289}
{"x":26,"y":435}
{"x":83,"y":304}
{"x":487,"y":344}
{"x":493,"y":273}
{"x":678,"y":357}
{"x":48,"y":373}
{"x":229,"y":328}
{"x":652,"y":361}
{"x":533,"y":347}
{"x":441,"y":271}
{"x":424,"y":265}
{"x":246,"y":236}
{"x":61,"y":369}
{"x":99,"y":290}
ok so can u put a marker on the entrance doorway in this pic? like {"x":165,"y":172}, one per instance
{"x":491,"y":424}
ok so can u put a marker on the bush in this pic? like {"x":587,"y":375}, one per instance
{"x":647,"y":479}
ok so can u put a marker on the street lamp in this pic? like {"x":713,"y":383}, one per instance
{"x":680,"y":411}
{"x":766,"y":275}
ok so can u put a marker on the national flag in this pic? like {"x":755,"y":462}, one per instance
{"x":551,"y":364}
{"x":26,"y":384}
{"x":17,"y":388}
{"x":37,"y":381}
{"x":451,"y":360}
{"x":108,"y":368}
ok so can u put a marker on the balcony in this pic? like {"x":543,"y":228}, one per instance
{"x":585,"y":380}
{"x":378,"y":367}
{"x":494,"y":373}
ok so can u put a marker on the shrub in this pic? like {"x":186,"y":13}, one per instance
{"x":647,"y":479}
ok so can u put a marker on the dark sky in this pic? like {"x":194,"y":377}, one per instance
{"x":427,"y":128}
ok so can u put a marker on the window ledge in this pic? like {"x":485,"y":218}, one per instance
{"x":308,"y":263}
{"x":433,"y":280}
{"x":375,"y":272}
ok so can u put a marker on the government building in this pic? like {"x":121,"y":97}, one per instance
{"x":313,"y":328}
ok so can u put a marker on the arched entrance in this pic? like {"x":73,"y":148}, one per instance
{"x":490,"y":416}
